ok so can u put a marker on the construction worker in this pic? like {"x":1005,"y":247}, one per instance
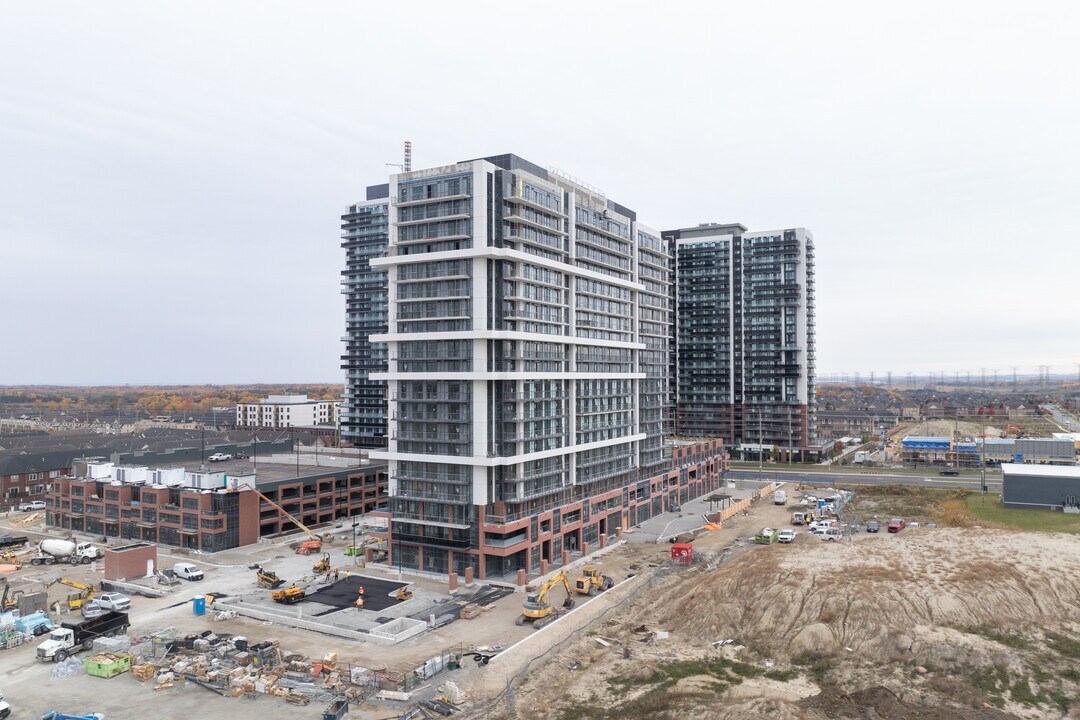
{"x":360,"y":603}
{"x":361,"y":590}
{"x":327,"y":573}
{"x":336,"y":575}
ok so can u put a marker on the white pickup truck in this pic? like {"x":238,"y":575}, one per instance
{"x":219,"y":457}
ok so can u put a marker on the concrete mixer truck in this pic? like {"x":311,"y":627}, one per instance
{"x":54,"y":550}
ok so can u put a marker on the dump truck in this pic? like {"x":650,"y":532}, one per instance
{"x":69,"y":638}
{"x":54,"y":550}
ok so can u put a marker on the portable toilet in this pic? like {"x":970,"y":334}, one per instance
{"x":199,"y":604}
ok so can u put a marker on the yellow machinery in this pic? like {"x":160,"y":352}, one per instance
{"x":592,"y":581}
{"x":288,"y":596}
{"x":10,"y":600}
{"x":537,"y":610}
{"x":75,"y":600}
{"x":321,"y":566}
{"x":403,"y":593}
{"x":268,"y":579}
{"x":308,"y":546}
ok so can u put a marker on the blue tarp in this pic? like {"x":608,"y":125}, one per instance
{"x":915,"y":442}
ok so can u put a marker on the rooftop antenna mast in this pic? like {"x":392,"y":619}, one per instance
{"x":406,"y":164}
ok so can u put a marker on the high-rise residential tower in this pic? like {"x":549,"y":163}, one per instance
{"x":528,"y":333}
{"x":744,"y":357}
{"x":364,"y":236}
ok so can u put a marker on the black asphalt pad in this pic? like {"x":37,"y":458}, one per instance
{"x":343,"y":593}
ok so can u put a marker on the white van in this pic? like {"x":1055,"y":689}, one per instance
{"x":5,"y":709}
{"x":829,"y":533}
{"x":780,"y":497}
{"x":187,"y":571}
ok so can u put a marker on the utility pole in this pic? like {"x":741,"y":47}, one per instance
{"x":888,"y":375}
{"x":984,"y":378}
{"x":1014,"y":369}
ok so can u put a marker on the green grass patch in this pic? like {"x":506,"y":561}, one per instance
{"x":1021,"y":692}
{"x":1007,"y":639}
{"x":1064,"y":645}
{"x":992,"y":682}
{"x":988,"y":508}
{"x":782,"y":675}
{"x":1062,"y":701}
{"x":1071,"y":673}
{"x":658,"y":700}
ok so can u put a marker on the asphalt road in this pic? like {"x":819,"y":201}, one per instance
{"x":883,"y":477}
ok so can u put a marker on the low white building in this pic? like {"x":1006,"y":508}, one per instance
{"x":284,"y":411}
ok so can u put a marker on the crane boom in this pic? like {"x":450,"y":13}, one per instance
{"x":287,"y":514}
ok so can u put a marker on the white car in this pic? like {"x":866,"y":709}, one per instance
{"x":31,"y":506}
{"x":114,"y":601}
{"x":92,"y":609}
{"x":787,"y":536}
{"x":218,"y":457}
{"x":821,"y":524}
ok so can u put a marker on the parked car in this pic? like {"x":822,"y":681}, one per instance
{"x":241,"y":455}
{"x":872,"y":526}
{"x":91,"y":608}
{"x":827,"y":522}
{"x":897,"y":524}
{"x":829,"y":533}
{"x":787,"y":536}
{"x":949,"y":471}
{"x":114,"y":601}
{"x":218,"y":457}
{"x":187,"y":571}
{"x":31,"y":506}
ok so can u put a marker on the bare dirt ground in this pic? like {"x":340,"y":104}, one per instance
{"x":944,"y":623}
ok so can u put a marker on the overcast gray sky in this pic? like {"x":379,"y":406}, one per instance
{"x":172,"y":174}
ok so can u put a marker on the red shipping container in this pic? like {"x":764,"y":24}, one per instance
{"x":683,"y":553}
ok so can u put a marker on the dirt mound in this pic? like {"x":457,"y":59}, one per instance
{"x":880,"y":702}
{"x":864,"y":596}
{"x":942,"y":623}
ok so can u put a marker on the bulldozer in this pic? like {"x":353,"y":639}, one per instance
{"x":592,"y":581}
{"x":537,"y":610}
{"x":321,"y":566}
{"x":268,"y":579}
{"x":289,"y":595}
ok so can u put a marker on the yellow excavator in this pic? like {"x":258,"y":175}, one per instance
{"x":537,"y":610}
{"x":75,"y":600}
